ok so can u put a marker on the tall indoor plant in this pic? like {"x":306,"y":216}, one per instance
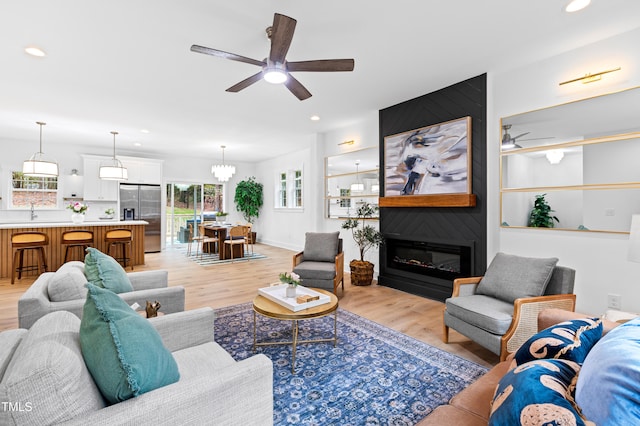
{"x":365,"y":236}
{"x":249,"y":199}
{"x":540,"y":216}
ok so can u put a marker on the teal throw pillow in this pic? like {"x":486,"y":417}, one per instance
{"x":608,"y":389}
{"x":104,"y":271}
{"x":122,"y":350}
{"x":537,"y":393}
{"x":571,"y":340}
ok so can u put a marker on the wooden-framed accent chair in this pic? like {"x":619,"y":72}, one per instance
{"x":499,"y":311}
{"x":321,"y":263}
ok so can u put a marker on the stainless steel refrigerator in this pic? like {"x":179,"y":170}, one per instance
{"x":143,"y":202}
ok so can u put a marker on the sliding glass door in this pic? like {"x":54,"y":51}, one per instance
{"x":189,"y":204}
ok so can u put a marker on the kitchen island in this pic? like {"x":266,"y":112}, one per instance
{"x":55,"y":251}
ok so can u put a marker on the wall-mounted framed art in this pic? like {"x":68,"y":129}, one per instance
{"x":432,"y":162}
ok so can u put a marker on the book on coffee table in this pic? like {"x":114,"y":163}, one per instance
{"x":305,"y":297}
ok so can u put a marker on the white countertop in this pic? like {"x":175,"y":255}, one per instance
{"x":35,"y":224}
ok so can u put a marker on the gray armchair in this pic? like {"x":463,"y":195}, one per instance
{"x":499,"y":311}
{"x":321,"y":264}
{"x":70,"y":294}
{"x":44,"y":368}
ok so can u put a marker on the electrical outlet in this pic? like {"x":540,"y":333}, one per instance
{"x":609,"y":212}
{"x":614,"y":301}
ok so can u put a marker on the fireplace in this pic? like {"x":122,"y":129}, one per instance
{"x":427,"y":267}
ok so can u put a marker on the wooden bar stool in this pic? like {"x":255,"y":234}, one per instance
{"x":75,"y":239}
{"x":21,"y":241}
{"x":122,"y":238}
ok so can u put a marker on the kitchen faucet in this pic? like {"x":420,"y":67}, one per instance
{"x":33,"y":213}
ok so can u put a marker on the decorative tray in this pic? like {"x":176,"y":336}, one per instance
{"x":106,"y":218}
{"x":276,"y":293}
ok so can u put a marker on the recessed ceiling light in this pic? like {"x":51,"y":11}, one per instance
{"x":137,"y":144}
{"x":144,"y":131}
{"x":576,"y":5}
{"x":35,"y":51}
{"x":314,"y":118}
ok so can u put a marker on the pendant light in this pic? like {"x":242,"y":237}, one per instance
{"x":223,"y":171}
{"x":38,"y":164}
{"x":113,"y":169}
{"x":357,"y":187}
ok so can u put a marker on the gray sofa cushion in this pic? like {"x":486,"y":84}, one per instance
{"x":48,"y":370}
{"x":510,"y":277}
{"x":321,"y":246}
{"x":9,"y":342}
{"x":484,"y":312}
{"x":68,"y":283}
{"x":196,"y":359}
{"x":315,"y":271}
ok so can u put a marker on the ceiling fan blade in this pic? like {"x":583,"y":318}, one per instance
{"x":297,"y":88}
{"x":226,"y":55}
{"x":322,"y":65}
{"x":521,"y":135}
{"x":245,"y":83}
{"x":281,"y":36}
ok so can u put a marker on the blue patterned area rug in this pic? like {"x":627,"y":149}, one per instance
{"x":375,"y":375}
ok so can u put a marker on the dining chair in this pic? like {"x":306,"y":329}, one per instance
{"x":248,"y":238}
{"x":193,"y":239}
{"x":205,"y":239}
{"x":236,"y":236}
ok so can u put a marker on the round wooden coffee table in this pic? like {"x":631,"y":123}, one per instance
{"x":270,"y":309}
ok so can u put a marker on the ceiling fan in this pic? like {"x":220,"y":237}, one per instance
{"x":275,"y":68}
{"x":509,"y":142}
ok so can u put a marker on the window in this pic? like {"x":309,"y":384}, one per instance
{"x":297,"y":189}
{"x":289,"y":190}
{"x":282,"y":191}
{"x":345,"y":202}
{"x":41,"y":192}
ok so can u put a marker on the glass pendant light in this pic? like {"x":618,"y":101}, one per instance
{"x":113,"y":169}
{"x":39,"y":164}
{"x":223,"y":172}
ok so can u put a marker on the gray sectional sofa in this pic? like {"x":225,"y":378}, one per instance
{"x":44,"y":379}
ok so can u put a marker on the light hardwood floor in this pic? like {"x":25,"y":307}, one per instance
{"x":224,"y":285}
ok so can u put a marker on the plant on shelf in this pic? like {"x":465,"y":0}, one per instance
{"x":540,"y":216}
{"x":248,"y":198}
{"x":291,"y":279}
{"x":78,"y":207}
{"x":366,"y":237}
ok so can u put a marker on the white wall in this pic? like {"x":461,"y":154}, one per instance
{"x":600,"y":259}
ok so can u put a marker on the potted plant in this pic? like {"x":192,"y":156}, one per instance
{"x":221,"y":216}
{"x":109,"y":213}
{"x":248,"y":200}
{"x":540,"y":216}
{"x":366,"y":236}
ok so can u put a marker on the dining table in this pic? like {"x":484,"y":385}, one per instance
{"x":224,"y":250}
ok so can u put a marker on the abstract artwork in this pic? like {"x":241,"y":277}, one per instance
{"x":431,"y":160}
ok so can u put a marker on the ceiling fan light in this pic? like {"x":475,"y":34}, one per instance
{"x":576,"y":5}
{"x":275,"y":75}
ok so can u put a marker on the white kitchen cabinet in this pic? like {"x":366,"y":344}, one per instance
{"x":143,"y":170}
{"x":96,"y":189}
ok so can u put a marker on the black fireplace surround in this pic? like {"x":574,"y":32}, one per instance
{"x":417,"y":256}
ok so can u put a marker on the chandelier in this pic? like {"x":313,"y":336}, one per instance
{"x":113,"y":169}
{"x":223,"y":171}
{"x":357,"y":186}
{"x":38,"y":164}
